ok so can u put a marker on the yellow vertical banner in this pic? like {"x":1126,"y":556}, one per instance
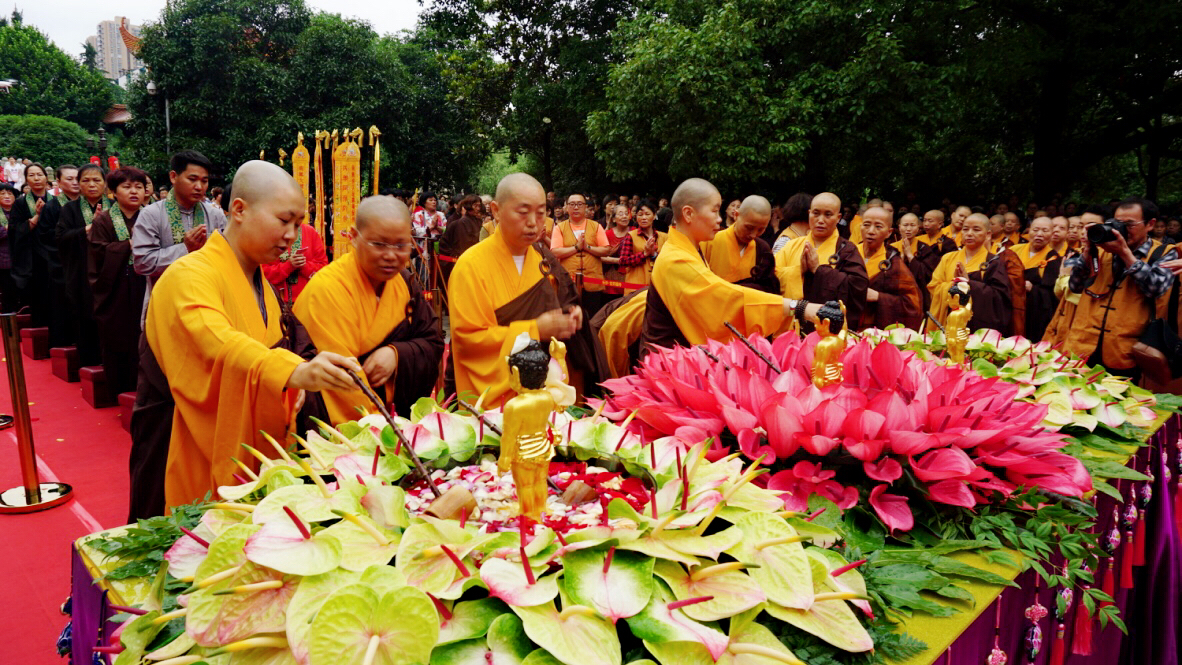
{"x":346,"y":193}
{"x":300,"y":159}
{"x":320,"y":136}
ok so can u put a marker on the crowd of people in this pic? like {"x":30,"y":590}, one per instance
{"x":224,"y":311}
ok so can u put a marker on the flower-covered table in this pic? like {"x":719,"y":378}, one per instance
{"x":738,"y":513}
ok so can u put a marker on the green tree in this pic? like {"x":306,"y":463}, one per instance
{"x":51,"y":141}
{"x":89,"y":55}
{"x":548,"y":61}
{"x":51,"y":82}
{"x":283,"y":70}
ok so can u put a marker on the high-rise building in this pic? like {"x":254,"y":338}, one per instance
{"x":113,"y":56}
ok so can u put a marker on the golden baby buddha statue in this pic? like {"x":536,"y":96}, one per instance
{"x":527,"y":443}
{"x":831,"y":326}
{"x":956,"y":327}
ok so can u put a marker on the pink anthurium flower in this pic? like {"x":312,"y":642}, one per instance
{"x":892,"y":509}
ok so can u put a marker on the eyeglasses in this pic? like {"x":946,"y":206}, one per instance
{"x":576,"y":204}
{"x":383,"y":247}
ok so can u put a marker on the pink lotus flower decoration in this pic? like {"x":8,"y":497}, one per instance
{"x":895,"y":425}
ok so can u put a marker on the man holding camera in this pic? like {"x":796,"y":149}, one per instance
{"x":1124,"y":283}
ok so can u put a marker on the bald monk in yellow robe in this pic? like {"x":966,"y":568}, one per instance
{"x":989,"y":284}
{"x":1040,"y":263}
{"x":823,"y":266}
{"x":892,"y":296}
{"x":365,"y":305}
{"x":509,"y":284}
{"x":618,"y":326}
{"x":739,"y":255}
{"x":687,"y":303}
{"x":213,"y":322}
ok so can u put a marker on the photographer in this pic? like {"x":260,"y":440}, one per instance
{"x":1124,"y":283}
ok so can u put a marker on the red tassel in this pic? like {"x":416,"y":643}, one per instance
{"x":1081,"y":636}
{"x":1108,"y":586}
{"x":1139,"y":541}
{"x":1126,"y":561}
{"x":1058,"y":646}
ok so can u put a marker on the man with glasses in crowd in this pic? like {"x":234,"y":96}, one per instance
{"x":366,"y":306}
{"x":1124,"y":284}
{"x":580,"y":243}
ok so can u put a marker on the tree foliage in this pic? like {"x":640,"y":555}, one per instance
{"x":51,"y":141}
{"x":966,"y":98}
{"x":51,"y":82}
{"x":279,"y":70}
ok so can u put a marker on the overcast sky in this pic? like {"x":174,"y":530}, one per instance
{"x":69,"y":22}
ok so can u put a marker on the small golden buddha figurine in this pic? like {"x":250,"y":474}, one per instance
{"x":526,"y":442}
{"x":827,"y":367}
{"x":956,"y":327}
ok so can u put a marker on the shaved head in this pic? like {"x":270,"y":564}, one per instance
{"x":517,"y":187}
{"x":828,"y":198}
{"x":979,"y":217}
{"x":694,"y":193}
{"x":878,"y":212}
{"x":257,"y":181}
{"x":756,"y":204}
{"x":376,"y":209}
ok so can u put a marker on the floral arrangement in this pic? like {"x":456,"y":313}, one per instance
{"x":327,"y":556}
{"x":897,"y":429}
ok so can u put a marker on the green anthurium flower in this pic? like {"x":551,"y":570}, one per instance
{"x":506,"y":644}
{"x":1059,"y":411}
{"x":225,"y":551}
{"x":751,"y":644}
{"x":386,"y":505}
{"x":309,"y":502}
{"x":849,"y":580}
{"x":307,"y":601}
{"x":362,"y":547}
{"x":507,"y":581}
{"x":730,"y":590}
{"x":1111,"y":414}
{"x":540,"y":657}
{"x":135,"y":637}
{"x":326,"y":450}
{"x":663,"y":620}
{"x":179,"y":646}
{"x":270,"y":478}
{"x":617,"y":584}
{"x":574,"y":636}
{"x":292,"y":549}
{"x":828,"y":617}
{"x":423,"y":554}
{"x":783,"y":569}
{"x":470,"y":619}
{"x":252,"y":601}
{"x":358,"y":624}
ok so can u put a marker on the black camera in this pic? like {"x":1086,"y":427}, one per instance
{"x":1106,"y":232}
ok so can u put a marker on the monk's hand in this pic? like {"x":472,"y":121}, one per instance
{"x":1029,"y":286}
{"x":809,"y":259}
{"x":297,"y":260}
{"x":961,"y":273}
{"x":810,"y":312}
{"x":557,"y":324}
{"x":380,"y":366}
{"x":1174,"y":266}
{"x":324,"y":372}
{"x":194,"y":238}
{"x":871,"y":295}
{"x":907,"y":253}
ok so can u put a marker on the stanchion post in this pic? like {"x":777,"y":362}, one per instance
{"x":32,"y":495}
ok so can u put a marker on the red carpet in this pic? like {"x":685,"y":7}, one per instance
{"x":77,"y":445}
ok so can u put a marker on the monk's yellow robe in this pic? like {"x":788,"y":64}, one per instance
{"x":1041,"y":269}
{"x":726,"y":258}
{"x":687,"y":303}
{"x":944,"y":275}
{"x":344,"y":314}
{"x":856,"y":230}
{"x":618,"y":326}
{"x":205,"y":327}
{"x":788,"y":268}
{"x":492,"y":303}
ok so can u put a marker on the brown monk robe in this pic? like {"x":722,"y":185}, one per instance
{"x":1016,"y":274}
{"x":511,"y":283}
{"x":823,"y":266}
{"x":1041,"y":268}
{"x":118,"y":290}
{"x":933,"y":245}
{"x":990,"y":286}
{"x":892,"y":296}
{"x":73,"y":224}
{"x":461,"y":234}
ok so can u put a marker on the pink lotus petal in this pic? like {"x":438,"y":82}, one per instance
{"x":943,"y":464}
{"x":952,"y":492}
